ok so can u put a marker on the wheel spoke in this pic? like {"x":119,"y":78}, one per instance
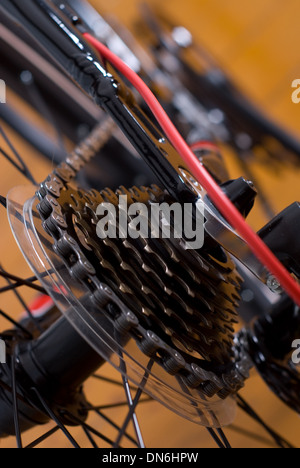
{"x":252,"y":435}
{"x":11,"y":161}
{"x":200,"y":413}
{"x":117,"y":405}
{"x":22,"y":302}
{"x":9,"y":389}
{"x":14,"y":283}
{"x":115,"y":426}
{"x":90,"y":437}
{"x":15,"y":402}
{"x":90,"y":429}
{"x":16,"y":324}
{"x":41,"y":439}
{"x":3,"y":201}
{"x":133,"y":403}
{"x":244,"y":406}
{"x":20,"y":282}
{"x":224,"y":438}
{"x":23,"y":169}
{"x":111,"y":381}
{"x":43,"y":108}
{"x":266,"y":204}
{"x":216,"y":438}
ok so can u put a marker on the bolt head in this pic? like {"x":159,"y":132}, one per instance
{"x":274,"y":285}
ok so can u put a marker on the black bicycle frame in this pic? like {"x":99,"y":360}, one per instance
{"x":63,"y":41}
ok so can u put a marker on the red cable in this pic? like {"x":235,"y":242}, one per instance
{"x":221,"y":201}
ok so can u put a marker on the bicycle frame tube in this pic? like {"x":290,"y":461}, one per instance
{"x":60,"y":38}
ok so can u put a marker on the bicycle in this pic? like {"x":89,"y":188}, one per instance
{"x":129,"y":301}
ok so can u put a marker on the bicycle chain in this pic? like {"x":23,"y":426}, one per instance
{"x":68,"y":215}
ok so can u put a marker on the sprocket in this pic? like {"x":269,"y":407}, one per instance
{"x":185,"y":297}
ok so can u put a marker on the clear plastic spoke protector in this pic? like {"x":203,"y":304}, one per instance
{"x":74,"y":302}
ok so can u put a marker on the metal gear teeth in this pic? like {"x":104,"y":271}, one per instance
{"x":133,"y":195}
{"x":213,"y":337}
{"x":113,"y":247}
